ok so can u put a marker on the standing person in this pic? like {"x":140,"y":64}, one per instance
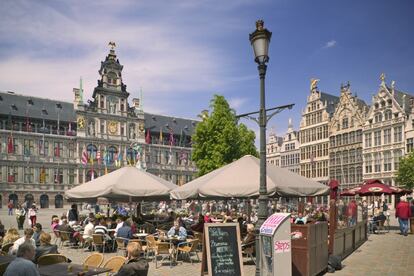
{"x":352,"y":212}
{"x":412,"y":217}
{"x":73,"y":216}
{"x":23,"y":265}
{"x":403,"y":213}
{"x":32,"y":214}
{"x":10,"y":207}
{"x":20,"y":216}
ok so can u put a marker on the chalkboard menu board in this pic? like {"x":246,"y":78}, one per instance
{"x":224,"y":256}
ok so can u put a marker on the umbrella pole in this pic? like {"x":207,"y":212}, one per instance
{"x":249,"y":211}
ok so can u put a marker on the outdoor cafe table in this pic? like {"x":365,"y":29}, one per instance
{"x":140,"y":235}
{"x":61,"y":269}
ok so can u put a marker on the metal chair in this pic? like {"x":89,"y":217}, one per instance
{"x":115,"y":263}
{"x":50,"y":259}
{"x":98,"y":240}
{"x":95,"y":259}
{"x":165,"y":250}
{"x":189,"y":247}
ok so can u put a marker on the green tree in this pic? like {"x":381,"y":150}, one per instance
{"x":218,"y":139}
{"x":406,"y":171}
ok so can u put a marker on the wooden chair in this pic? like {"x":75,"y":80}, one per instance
{"x":98,"y":240}
{"x":56,"y":234}
{"x":189,"y":247}
{"x":248,"y":249}
{"x":151,"y":245}
{"x":50,"y":259}
{"x":121,"y":244}
{"x":115,"y":263}
{"x":95,"y":259}
{"x":6,"y":248}
{"x":165,"y":250}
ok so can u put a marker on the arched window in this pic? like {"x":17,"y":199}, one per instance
{"x":58,"y":201}
{"x":44,"y":201}
{"x":92,"y":150}
{"x":131,"y":156}
{"x":89,"y":175}
{"x":112,"y":154}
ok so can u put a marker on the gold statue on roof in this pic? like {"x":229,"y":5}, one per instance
{"x":382,"y":78}
{"x":314,"y":84}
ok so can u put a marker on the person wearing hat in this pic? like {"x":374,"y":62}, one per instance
{"x":403,"y":213}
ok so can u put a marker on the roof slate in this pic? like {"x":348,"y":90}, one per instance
{"x":156,"y":123}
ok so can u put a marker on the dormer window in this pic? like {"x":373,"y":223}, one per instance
{"x":382,"y":103}
{"x":389,"y":102}
{"x":388,"y":115}
{"x":344,"y":123}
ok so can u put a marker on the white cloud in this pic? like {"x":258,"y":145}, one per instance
{"x":330,"y":44}
{"x":236,"y":103}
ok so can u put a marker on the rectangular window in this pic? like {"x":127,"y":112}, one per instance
{"x":43,"y":148}
{"x":12,"y":175}
{"x":28,"y":147}
{"x":43,"y":175}
{"x":58,"y":176}
{"x":387,"y":161}
{"x":72,"y":176}
{"x":397,"y":158}
{"x":57,"y":149}
{"x":387,"y":136}
{"x":345,"y":139}
{"x":410,"y":144}
{"x":71,"y":150}
{"x":377,"y":138}
{"x":397,"y":134}
{"x":377,"y":162}
{"x":28,"y":175}
{"x":368,"y":140}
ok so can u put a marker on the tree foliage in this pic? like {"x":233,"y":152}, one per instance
{"x":218,"y":139}
{"x":406,"y":171}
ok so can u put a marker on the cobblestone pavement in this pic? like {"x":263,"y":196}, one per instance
{"x":383,"y":254}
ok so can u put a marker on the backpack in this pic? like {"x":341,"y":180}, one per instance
{"x":334,"y":263}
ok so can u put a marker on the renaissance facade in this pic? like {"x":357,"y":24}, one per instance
{"x":50,"y":146}
{"x":347,"y":140}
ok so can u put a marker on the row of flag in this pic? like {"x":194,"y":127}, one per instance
{"x":171,"y":139}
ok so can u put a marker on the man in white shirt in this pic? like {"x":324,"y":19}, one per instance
{"x":28,"y":233}
{"x":89,"y":230}
{"x":23,"y":265}
{"x":119,"y":224}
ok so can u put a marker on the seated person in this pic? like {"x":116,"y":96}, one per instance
{"x":177,"y":231}
{"x":11,"y":236}
{"x":23,"y":265}
{"x":89,"y":230}
{"x":65,"y":227}
{"x":37,"y":232}
{"x":45,"y":246}
{"x":125,"y":232}
{"x":251,"y":236}
{"x":199,"y":226}
{"x":134,"y":265}
{"x":103,"y":230}
{"x":28,"y":233}
{"x":300,"y":219}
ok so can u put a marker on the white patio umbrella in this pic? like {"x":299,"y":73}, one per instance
{"x":126,"y":183}
{"x":240,"y":179}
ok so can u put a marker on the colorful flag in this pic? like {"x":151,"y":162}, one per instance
{"x":148,"y":137}
{"x":42,"y":177}
{"x":57,"y":150}
{"x":98,"y":156}
{"x":161,"y":138}
{"x":10,"y":146}
{"x":119,"y":159}
{"x":92,"y":175}
{"x":84,"y":156}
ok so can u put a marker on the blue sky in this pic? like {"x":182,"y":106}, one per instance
{"x":183,"y":52}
